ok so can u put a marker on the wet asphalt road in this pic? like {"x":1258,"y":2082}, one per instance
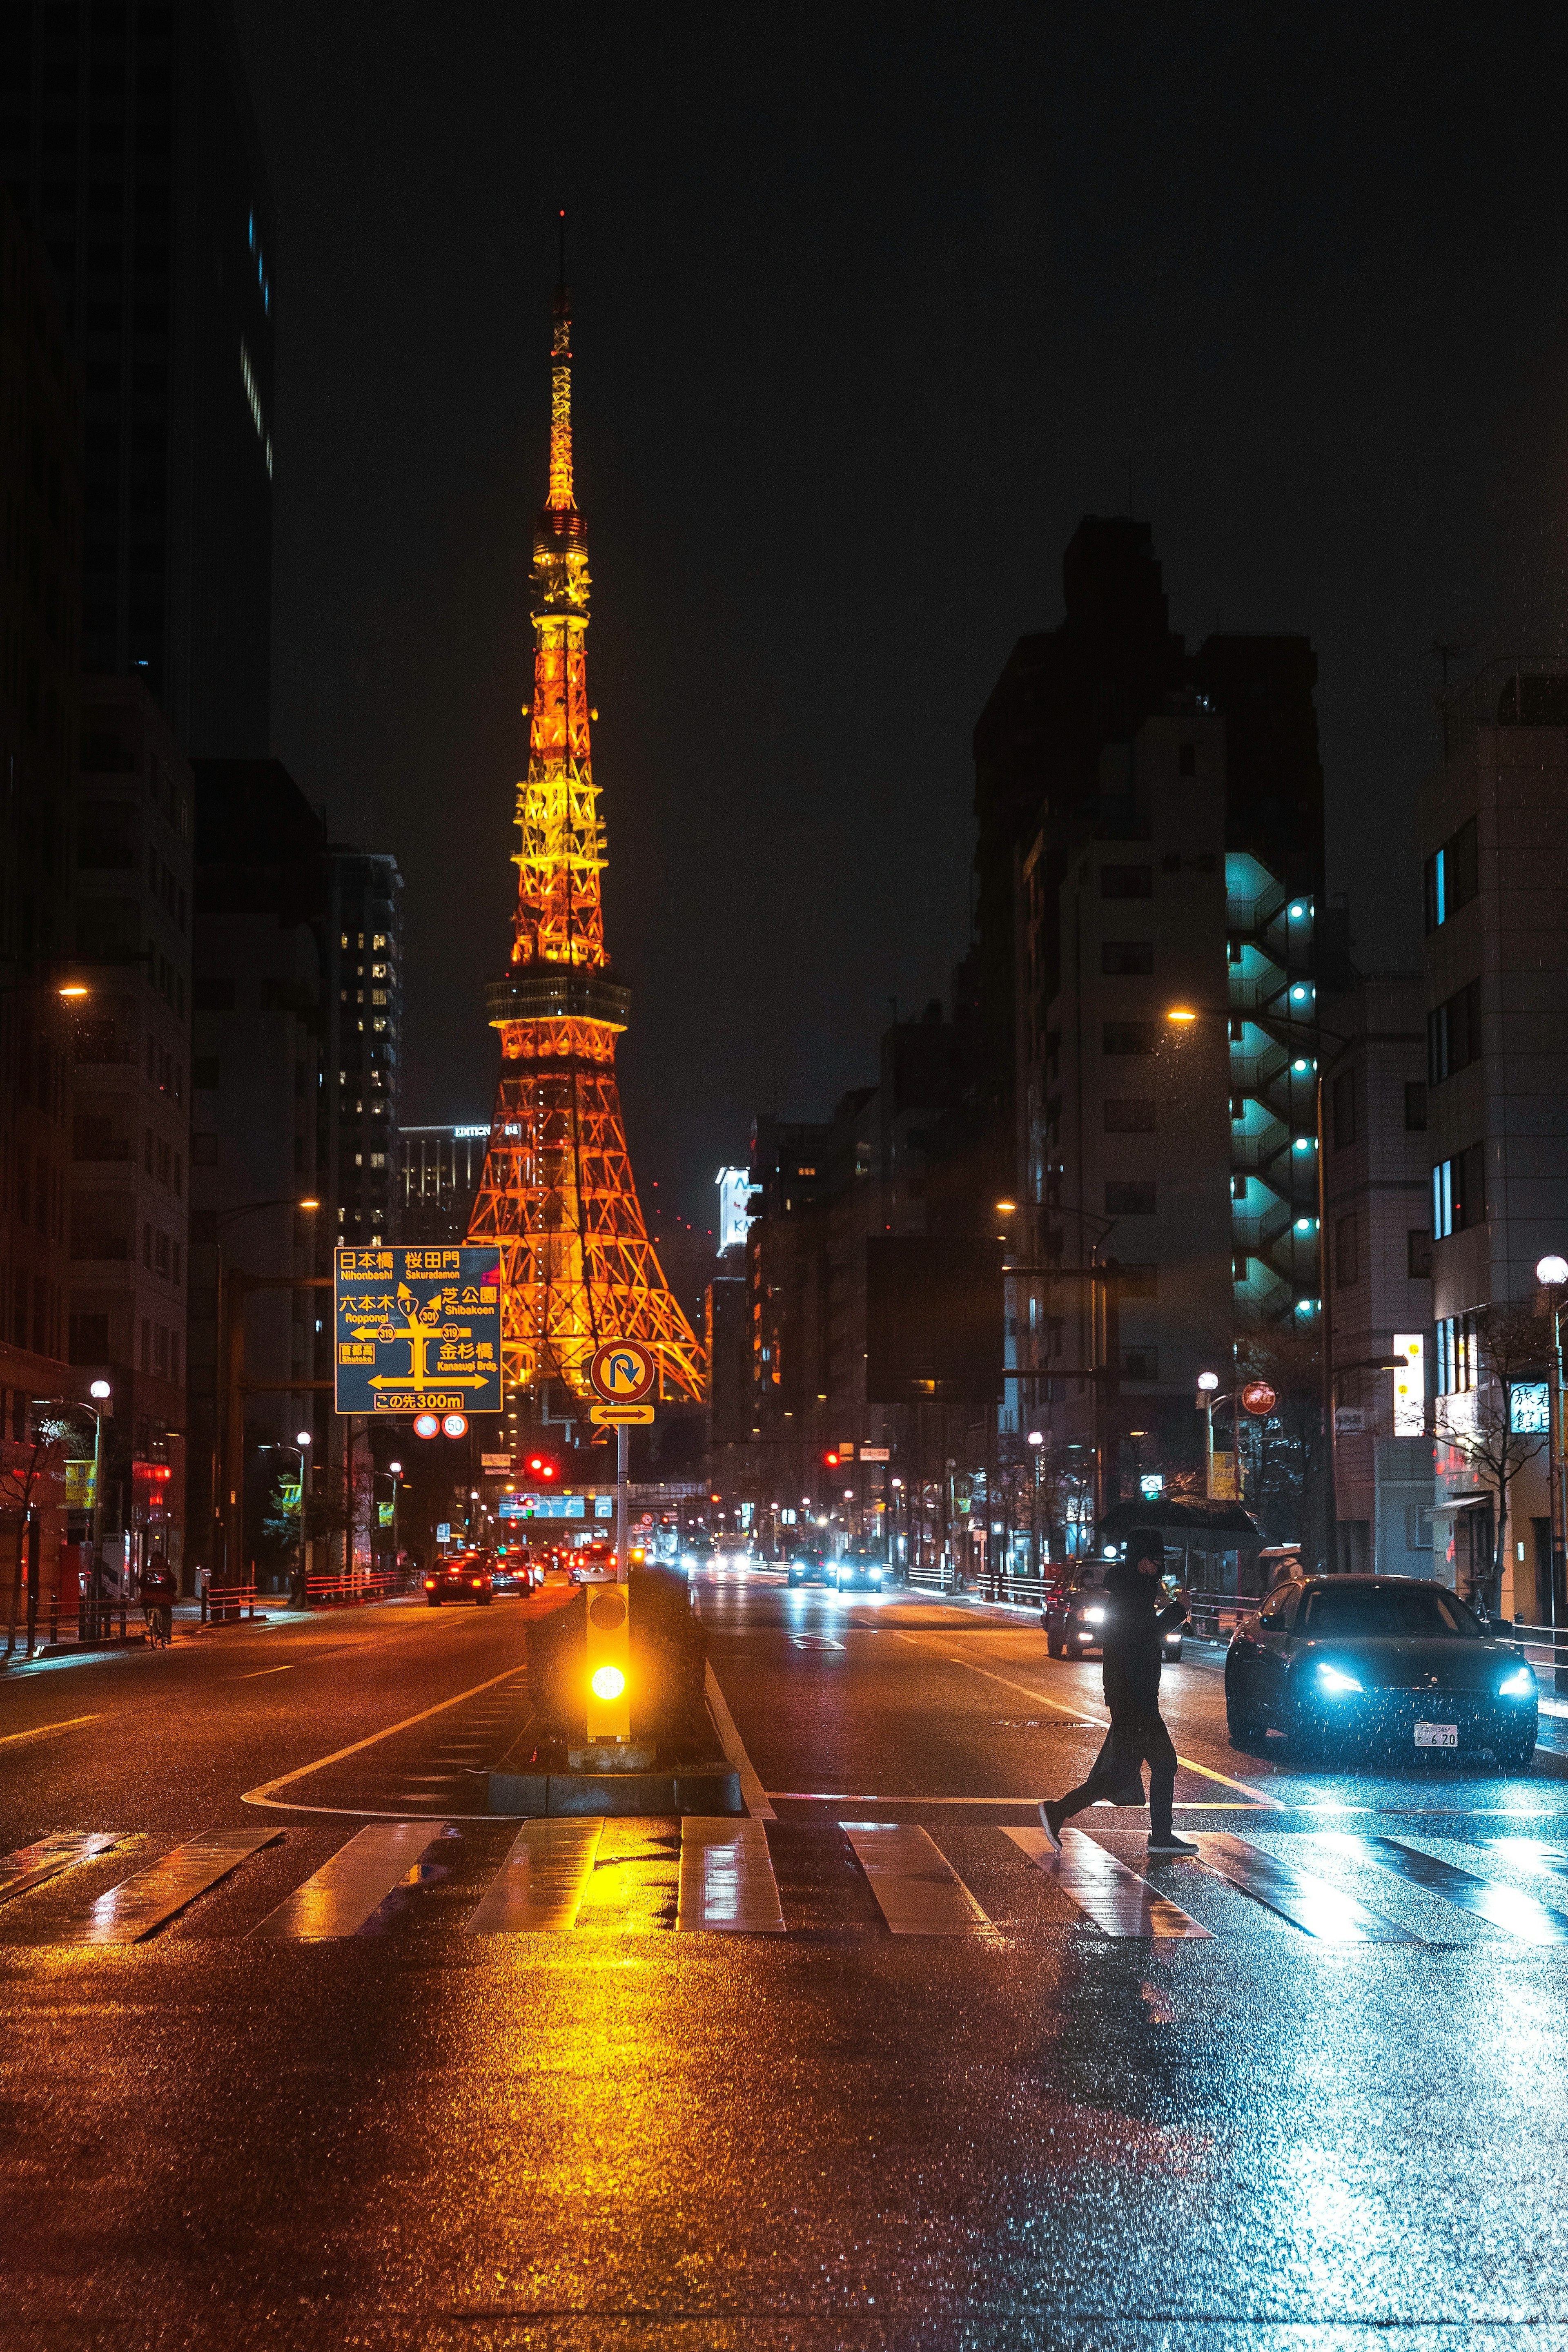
{"x":1031,"y":2134}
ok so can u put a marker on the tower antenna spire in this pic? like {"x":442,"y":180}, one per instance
{"x":557,"y":1194}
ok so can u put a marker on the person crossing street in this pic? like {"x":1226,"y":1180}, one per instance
{"x":1133,"y":1649}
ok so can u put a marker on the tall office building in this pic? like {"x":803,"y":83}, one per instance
{"x":1161,"y":815}
{"x":1491,"y":823}
{"x":257,"y":1085}
{"x":127,"y":139}
{"x":40,"y":544}
{"x":437,"y":1173}
{"x":362,"y":958}
{"x":130,"y":1105}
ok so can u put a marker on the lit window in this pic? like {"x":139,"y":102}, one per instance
{"x":379,"y":939}
{"x":379,"y":996}
{"x":378,"y":1159}
{"x":345,"y":938}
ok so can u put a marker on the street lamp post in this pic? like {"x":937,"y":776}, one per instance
{"x":1207,"y":1383}
{"x":1036,"y":1448}
{"x":1552,"y":1273}
{"x":100,"y":1393}
{"x":395,"y":1469}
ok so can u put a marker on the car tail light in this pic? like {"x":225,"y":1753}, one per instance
{"x":474,"y":1580}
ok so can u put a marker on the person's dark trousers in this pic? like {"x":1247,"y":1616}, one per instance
{"x":1137,"y":1736}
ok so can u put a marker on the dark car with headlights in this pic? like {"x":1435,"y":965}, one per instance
{"x":469,"y":1576}
{"x":1343,"y":1665}
{"x":859,"y":1568}
{"x":1075,"y":1612}
{"x":808,"y":1564}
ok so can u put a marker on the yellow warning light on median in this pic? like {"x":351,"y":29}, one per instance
{"x":607,"y":1683}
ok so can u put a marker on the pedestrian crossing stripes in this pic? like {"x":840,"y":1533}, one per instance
{"x":30,"y":1866}
{"x":727,"y":1871}
{"x":538,"y":1888}
{"x":727,"y":1887}
{"x":339,"y":1898}
{"x":917,"y":1890}
{"x":141,"y":1904}
{"x":1114,"y":1896}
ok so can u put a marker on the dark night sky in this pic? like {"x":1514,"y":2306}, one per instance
{"x":872,"y":304}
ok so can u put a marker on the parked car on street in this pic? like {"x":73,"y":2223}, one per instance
{"x":1343,"y":1665}
{"x":1075,"y":1612}
{"x":467,"y":1576}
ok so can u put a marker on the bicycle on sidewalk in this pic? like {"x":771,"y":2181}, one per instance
{"x":158,"y":1590}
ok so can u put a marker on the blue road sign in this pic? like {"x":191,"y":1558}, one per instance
{"x":417,"y":1330}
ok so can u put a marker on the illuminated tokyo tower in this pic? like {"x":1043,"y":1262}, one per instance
{"x":557,"y":1192}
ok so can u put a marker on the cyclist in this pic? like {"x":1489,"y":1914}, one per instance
{"x":158,"y":1598}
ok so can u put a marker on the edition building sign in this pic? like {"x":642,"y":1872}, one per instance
{"x":417,"y":1330}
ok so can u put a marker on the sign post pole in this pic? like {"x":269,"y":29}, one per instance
{"x":622,"y":1456}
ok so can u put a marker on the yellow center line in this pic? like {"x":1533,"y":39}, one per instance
{"x":271,"y":1670}
{"x":42,"y":1730}
{"x":1079,"y":1712}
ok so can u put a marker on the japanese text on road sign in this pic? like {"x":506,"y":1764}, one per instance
{"x":417,"y":1330}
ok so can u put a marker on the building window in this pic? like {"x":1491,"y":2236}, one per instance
{"x":1418,"y":1254}
{"x":1140,"y":1363}
{"x":1125,"y":958}
{"x":1126,"y":881}
{"x":1345,"y":1111}
{"x":1129,"y":1114}
{"x":1454,"y":1033}
{"x":1346,"y":1256}
{"x":1130,"y":1037}
{"x":1415,"y":1107}
{"x":1125,"y":1200}
{"x":1451,"y":877}
{"x":1458,"y":1193}
{"x":1456,"y":1354}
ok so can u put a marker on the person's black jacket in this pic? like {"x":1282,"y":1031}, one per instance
{"x":1132,"y":1643}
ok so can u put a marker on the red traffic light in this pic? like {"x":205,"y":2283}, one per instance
{"x":543,"y":1466}
{"x":832,"y":1461}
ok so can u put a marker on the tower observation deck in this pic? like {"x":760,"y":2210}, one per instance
{"x":557,"y":1190}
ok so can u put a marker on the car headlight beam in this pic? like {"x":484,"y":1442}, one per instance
{"x":1095,"y":1616}
{"x":1335,"y":1679}
{"x":1520,"y":1684}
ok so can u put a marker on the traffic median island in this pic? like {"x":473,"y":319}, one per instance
{"x":673,"y":1760}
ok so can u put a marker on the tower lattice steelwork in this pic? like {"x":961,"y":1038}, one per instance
{"x":557,"y":1192}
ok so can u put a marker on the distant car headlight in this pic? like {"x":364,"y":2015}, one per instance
{"x":1334,"y":1678}
{"x":876,"y":1576}
{"x":1521,"y":1683}
{"x":1095,"y":1616}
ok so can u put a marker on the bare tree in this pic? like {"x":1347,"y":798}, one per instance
{"x":26,"y":1464}
{"x":1287,"y":1456}
{"x":1512,"y":1343}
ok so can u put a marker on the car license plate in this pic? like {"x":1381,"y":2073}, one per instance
{"x":1436,"y":1734}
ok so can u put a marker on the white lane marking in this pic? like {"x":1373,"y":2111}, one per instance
{"x":727,"y":1884}
{"x":337,"y":1899}
{"x":751,"y":1789}
{"x":1115,"y":1897}
{"x":126,"y":1913}
{"x":917,"y":1890}
{"x":48,"y":1730}
{"x":30,"y":1866}
{"x":864,"y":1797}
{"x":539,"y":1887}
{"x":264,"y":1796}
{"x":262,"y":1672}
{"x":1311,"y":1904}
{"x":1259,"y":1796}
